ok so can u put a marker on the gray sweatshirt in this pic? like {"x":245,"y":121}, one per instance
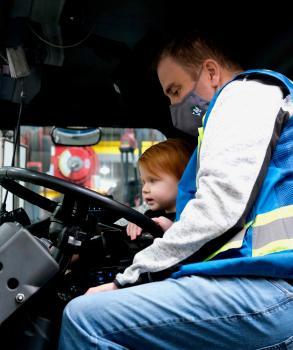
{"x":235,"y":143}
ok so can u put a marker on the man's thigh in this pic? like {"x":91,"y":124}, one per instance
{"x":189,"y":313}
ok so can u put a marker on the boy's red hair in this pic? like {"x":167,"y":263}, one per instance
{"x":169,"y":157}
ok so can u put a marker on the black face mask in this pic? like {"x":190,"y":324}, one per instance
{"x":187,"y":115}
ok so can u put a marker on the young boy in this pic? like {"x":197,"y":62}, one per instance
{"x":160,"y":168}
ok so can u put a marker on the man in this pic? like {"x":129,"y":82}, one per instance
{"x":230,"y":250}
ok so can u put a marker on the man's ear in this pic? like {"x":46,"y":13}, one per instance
{"x":213,"y":70}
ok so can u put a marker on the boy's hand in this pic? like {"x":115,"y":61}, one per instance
{"x":163,"y":222}
{"x":133,"y":231}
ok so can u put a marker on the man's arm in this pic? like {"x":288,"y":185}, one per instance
{"x":237,"y":138}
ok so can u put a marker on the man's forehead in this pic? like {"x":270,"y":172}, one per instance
{"x":170,"y":73}
{"x":168,"y":65}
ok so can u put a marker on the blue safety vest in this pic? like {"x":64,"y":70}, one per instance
{"x":263,"y":244}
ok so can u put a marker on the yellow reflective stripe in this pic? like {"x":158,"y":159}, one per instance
{"x":267,"y":218}
{"x":200,"y":133}
{"x":248,"y":224}
{"x":200,"y":136}
{"x":227,"y":246}
{"x":274,"y":247}
{"x":235,"y":242}
{"x":199,"y":141}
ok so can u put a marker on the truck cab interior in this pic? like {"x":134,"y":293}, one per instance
{"x":79,"y":103}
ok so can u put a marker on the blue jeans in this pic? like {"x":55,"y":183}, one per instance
{"x":187,"y":313}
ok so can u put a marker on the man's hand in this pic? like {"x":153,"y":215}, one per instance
{"x":133,"y":231}
{"x":103,"y":288}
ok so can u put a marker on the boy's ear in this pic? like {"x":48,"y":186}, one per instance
{"x":213,"y":70}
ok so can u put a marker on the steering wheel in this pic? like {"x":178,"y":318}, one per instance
{"x":10,"y":175}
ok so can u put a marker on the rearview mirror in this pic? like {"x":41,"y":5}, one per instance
{"x":76,"y":136}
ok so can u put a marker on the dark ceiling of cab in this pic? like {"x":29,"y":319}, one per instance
{"x":90,"y":60}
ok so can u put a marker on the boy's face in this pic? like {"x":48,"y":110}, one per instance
{"x":159,"y":191}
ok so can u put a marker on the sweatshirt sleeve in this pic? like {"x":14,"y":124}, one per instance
{"x":236,"y":141}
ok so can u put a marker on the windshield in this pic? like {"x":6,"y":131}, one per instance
{"x":108,"y":167}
